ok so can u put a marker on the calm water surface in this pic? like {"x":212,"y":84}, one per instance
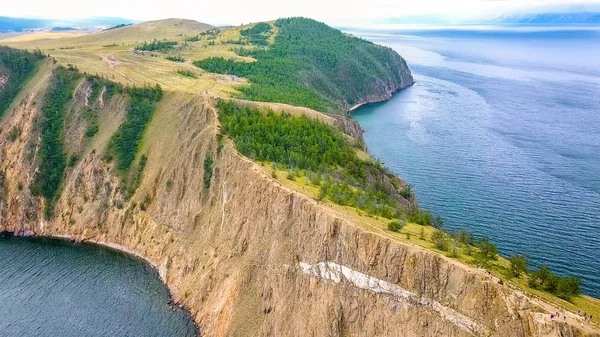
{"x":501,"y":136}
{"x":56,"y":288}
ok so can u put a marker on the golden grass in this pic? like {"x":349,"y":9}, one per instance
{"x":110,"y":54}
{"x":40,"y":36}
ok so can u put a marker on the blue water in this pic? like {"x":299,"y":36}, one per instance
{"x":57,"y":288}
{"x":500,"y":135}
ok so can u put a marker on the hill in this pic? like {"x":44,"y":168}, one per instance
{"x":160,"y":29}
{"x":310,"y":64}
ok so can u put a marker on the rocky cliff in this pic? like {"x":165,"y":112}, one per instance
{"x":248,"y":256}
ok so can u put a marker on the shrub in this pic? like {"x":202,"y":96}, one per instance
{"x":92,"y":129}
{"x":186,"y":73}
{"x":291,"y":175}
{"x":175,"y":58}
{"x":421,"y":217}
{"x":438,"y":222}
{"x":208,"y":171}
{"x":518,"y":265}
{"x":465,"y":238}
{"x":563,"y":287}
{"x":488,"y":250}
{"x":439,"y":240}
{"x":406,"y":191}
{"x":192,"y":38}
{"x":395,"y":226}
{"x":567,"y":288}
{"x":155,"y":45}
{"x":14,"y":133}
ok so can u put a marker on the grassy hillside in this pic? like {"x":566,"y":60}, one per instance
{"x":295,"y":61}
{"x":147,"y":31}
{"x":16,"y":67}
{"x":312,"y":65}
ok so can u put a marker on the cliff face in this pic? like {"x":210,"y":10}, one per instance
{"x":247,"y":256}
{"x":383,"y":89}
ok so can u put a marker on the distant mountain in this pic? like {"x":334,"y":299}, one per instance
{"x":9,"y":24}
{"x":577,"y":18}
{"x":414,"y":20}
{"x":548,"y":19}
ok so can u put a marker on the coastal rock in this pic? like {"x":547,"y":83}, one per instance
{"x":248,"y":256}
{"x":348,"y":126}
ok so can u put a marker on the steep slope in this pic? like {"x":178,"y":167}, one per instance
{"x":246,"y":255}
{"x":15,"y":69}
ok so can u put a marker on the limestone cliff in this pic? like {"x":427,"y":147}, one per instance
{"x":248,"y":256}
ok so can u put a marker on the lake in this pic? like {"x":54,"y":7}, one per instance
{"x":52,"y":287}
{"x":500,"y":135}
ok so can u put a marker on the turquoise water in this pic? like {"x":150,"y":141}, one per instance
{"x":501,"y":136}
{"x":56,"y":288}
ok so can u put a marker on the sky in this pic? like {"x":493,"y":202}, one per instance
{"x":335,"y":12}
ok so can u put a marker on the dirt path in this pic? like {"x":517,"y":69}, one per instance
{"x":112,"y":62}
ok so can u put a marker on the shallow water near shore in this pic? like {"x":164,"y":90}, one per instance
{"x":500,"y":135}
{"x":51,"y":287}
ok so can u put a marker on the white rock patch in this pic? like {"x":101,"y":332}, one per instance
{"x":337,"y":273}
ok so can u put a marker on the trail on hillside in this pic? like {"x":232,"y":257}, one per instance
{"x":112,"y":62}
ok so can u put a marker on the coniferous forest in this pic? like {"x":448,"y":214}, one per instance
{"x":311,"y":65}
{"x":16,"y":66}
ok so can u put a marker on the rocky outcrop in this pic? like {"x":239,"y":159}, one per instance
{"x":383,"y":89}
{"x":348,"y":126}
{"x":248,"y":256}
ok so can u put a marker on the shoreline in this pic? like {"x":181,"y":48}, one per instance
{"x":103,"y":244}
{"x":391,"y":95}
{"x":124,"y":250}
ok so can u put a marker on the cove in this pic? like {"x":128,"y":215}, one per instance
{"x":52,"y":287}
